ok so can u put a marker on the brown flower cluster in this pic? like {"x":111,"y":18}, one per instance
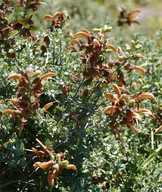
{"x":123,"y":111}
{"x":96,"y":180}
{"x":21,"y":26}
{"x":5,"y":26}
{"x":127,"y":18}
{"x":94,"y":48}
{"x":27,"y":98}
{"x":58,"y":19}
{"x":32,"y":4}
{"x":54,"y":166}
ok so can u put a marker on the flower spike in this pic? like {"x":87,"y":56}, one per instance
{"x":140,"y":69}
{"x":15,"y":76}
{"x":47,"y":75}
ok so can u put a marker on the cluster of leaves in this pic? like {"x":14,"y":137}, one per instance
{"x":92,"y":97}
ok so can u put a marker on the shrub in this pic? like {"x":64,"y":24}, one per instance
{"x":93,"y":108}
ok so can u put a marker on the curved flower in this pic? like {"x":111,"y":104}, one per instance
{"x":145,"y":95}
{"x":121,"y":107}
{"x":47,"y":75}
{"x":55,"y":165}
{"x":44,"y":165}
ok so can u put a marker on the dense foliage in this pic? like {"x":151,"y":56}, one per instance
{"x":78,"y":112}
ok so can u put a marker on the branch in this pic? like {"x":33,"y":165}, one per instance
{"x":70,"y":100}
{"x":17,"y":181}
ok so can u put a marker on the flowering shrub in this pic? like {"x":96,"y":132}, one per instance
{"x":91,"y":110}
{"x":30,"y":89}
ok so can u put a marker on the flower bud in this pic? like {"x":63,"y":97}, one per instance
{"x":133,"y":42}
{"x":140,"y":81}
{"x":96,"y":30}
{"x":128,"y":47}
{"x":138,"y":47}
{"x":108,"y":50}
{"x":131,"y":57}
{"x":150,"y":58}
{"x":124,"y":96}
{"x":157,"y":85}
{"x":63,"y":164}
{"x":146,"y":87}
{"x":132,"y":102}
{"x":107,"y":29}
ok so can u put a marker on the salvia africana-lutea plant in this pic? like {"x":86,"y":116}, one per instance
{"x":87,"y":107}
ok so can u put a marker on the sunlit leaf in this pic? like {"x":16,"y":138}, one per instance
{"x":151,"y":157}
